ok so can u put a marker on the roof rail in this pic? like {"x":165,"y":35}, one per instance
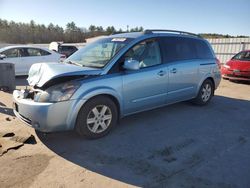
{"x":150,"y":31}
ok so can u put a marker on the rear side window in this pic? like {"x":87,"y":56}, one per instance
{"x":202,"y":50}
{"x":37,"y":52}
{"x":180,"y":48}
{"x":33,"y":52}
{"x":43,"y":52}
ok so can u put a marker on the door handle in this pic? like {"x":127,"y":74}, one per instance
{"x":174,"y":70}
{"x":161,"y":73}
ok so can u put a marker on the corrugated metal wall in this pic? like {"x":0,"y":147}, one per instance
{"x":226,"y":48}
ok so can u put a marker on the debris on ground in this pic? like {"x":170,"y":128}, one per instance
{"x":7,"y":119}
{"x":8,"y":144}
{"x":11,"y":140}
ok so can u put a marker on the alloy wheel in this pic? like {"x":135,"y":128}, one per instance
{"x":99,"y":119}
{"x":206,"y":92}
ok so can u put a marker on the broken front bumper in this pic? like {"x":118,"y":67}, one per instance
{"x":46,"y":117}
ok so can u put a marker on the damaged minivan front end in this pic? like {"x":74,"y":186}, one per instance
{"x":48,"y":104}
{"x":58,"y":93}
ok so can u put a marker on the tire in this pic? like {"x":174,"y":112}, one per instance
{"x":96,"y":118}
{"x":205,"y":94}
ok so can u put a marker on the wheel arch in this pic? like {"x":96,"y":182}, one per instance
{"x":83,"y":111}
{"x":208,"y":77}
{"x":89,"y":95}
{"x":107,"y":92}
{"x":212,"y":80}
{"x":110,"y":96}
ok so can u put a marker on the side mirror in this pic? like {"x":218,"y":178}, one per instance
{"x":131,"y":64}
{"x":2,"y":56}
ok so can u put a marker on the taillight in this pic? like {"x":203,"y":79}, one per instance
{"x":218,"y":63}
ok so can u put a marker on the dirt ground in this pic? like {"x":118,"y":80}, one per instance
{"x":181,"y":145}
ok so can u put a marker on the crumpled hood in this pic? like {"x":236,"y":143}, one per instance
{"x":41,"y":73}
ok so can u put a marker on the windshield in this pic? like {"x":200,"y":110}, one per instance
{"x":243,"y":56}
{"x":99,"y":53}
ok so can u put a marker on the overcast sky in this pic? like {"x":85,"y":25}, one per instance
{"x":199,"y":16}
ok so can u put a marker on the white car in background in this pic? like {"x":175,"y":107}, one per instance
{"x":25,"y":56}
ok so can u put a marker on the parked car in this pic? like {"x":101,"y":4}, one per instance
{"x":65,"y":49}
{"x":25,"y":56}
{"x":117,"y":76}
{"x":238,"y":68}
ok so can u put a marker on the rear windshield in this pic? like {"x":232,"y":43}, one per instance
{"x":243,"y":56}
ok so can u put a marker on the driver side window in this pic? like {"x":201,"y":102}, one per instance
{"x":146,"y":52}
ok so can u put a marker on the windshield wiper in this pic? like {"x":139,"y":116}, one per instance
{"x":74,"y":63}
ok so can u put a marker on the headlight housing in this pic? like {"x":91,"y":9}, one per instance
{"x":57,"y":93}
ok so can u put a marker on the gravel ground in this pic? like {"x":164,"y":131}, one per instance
{"x":181,"y":145}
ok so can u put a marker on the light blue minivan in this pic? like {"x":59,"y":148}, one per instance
{"x":117,"y":76}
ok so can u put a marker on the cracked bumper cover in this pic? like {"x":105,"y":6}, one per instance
{"x":46,"y":117}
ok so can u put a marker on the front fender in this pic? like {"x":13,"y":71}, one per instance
{"x":101,"y":91}
{"x":87,"y":95}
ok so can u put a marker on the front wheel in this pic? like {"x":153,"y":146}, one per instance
{"x":205,"y":94}
{"x":96,"y":118}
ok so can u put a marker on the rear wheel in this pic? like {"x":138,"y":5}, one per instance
{"x":97,"y":117}
{"x":205,"y":94}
